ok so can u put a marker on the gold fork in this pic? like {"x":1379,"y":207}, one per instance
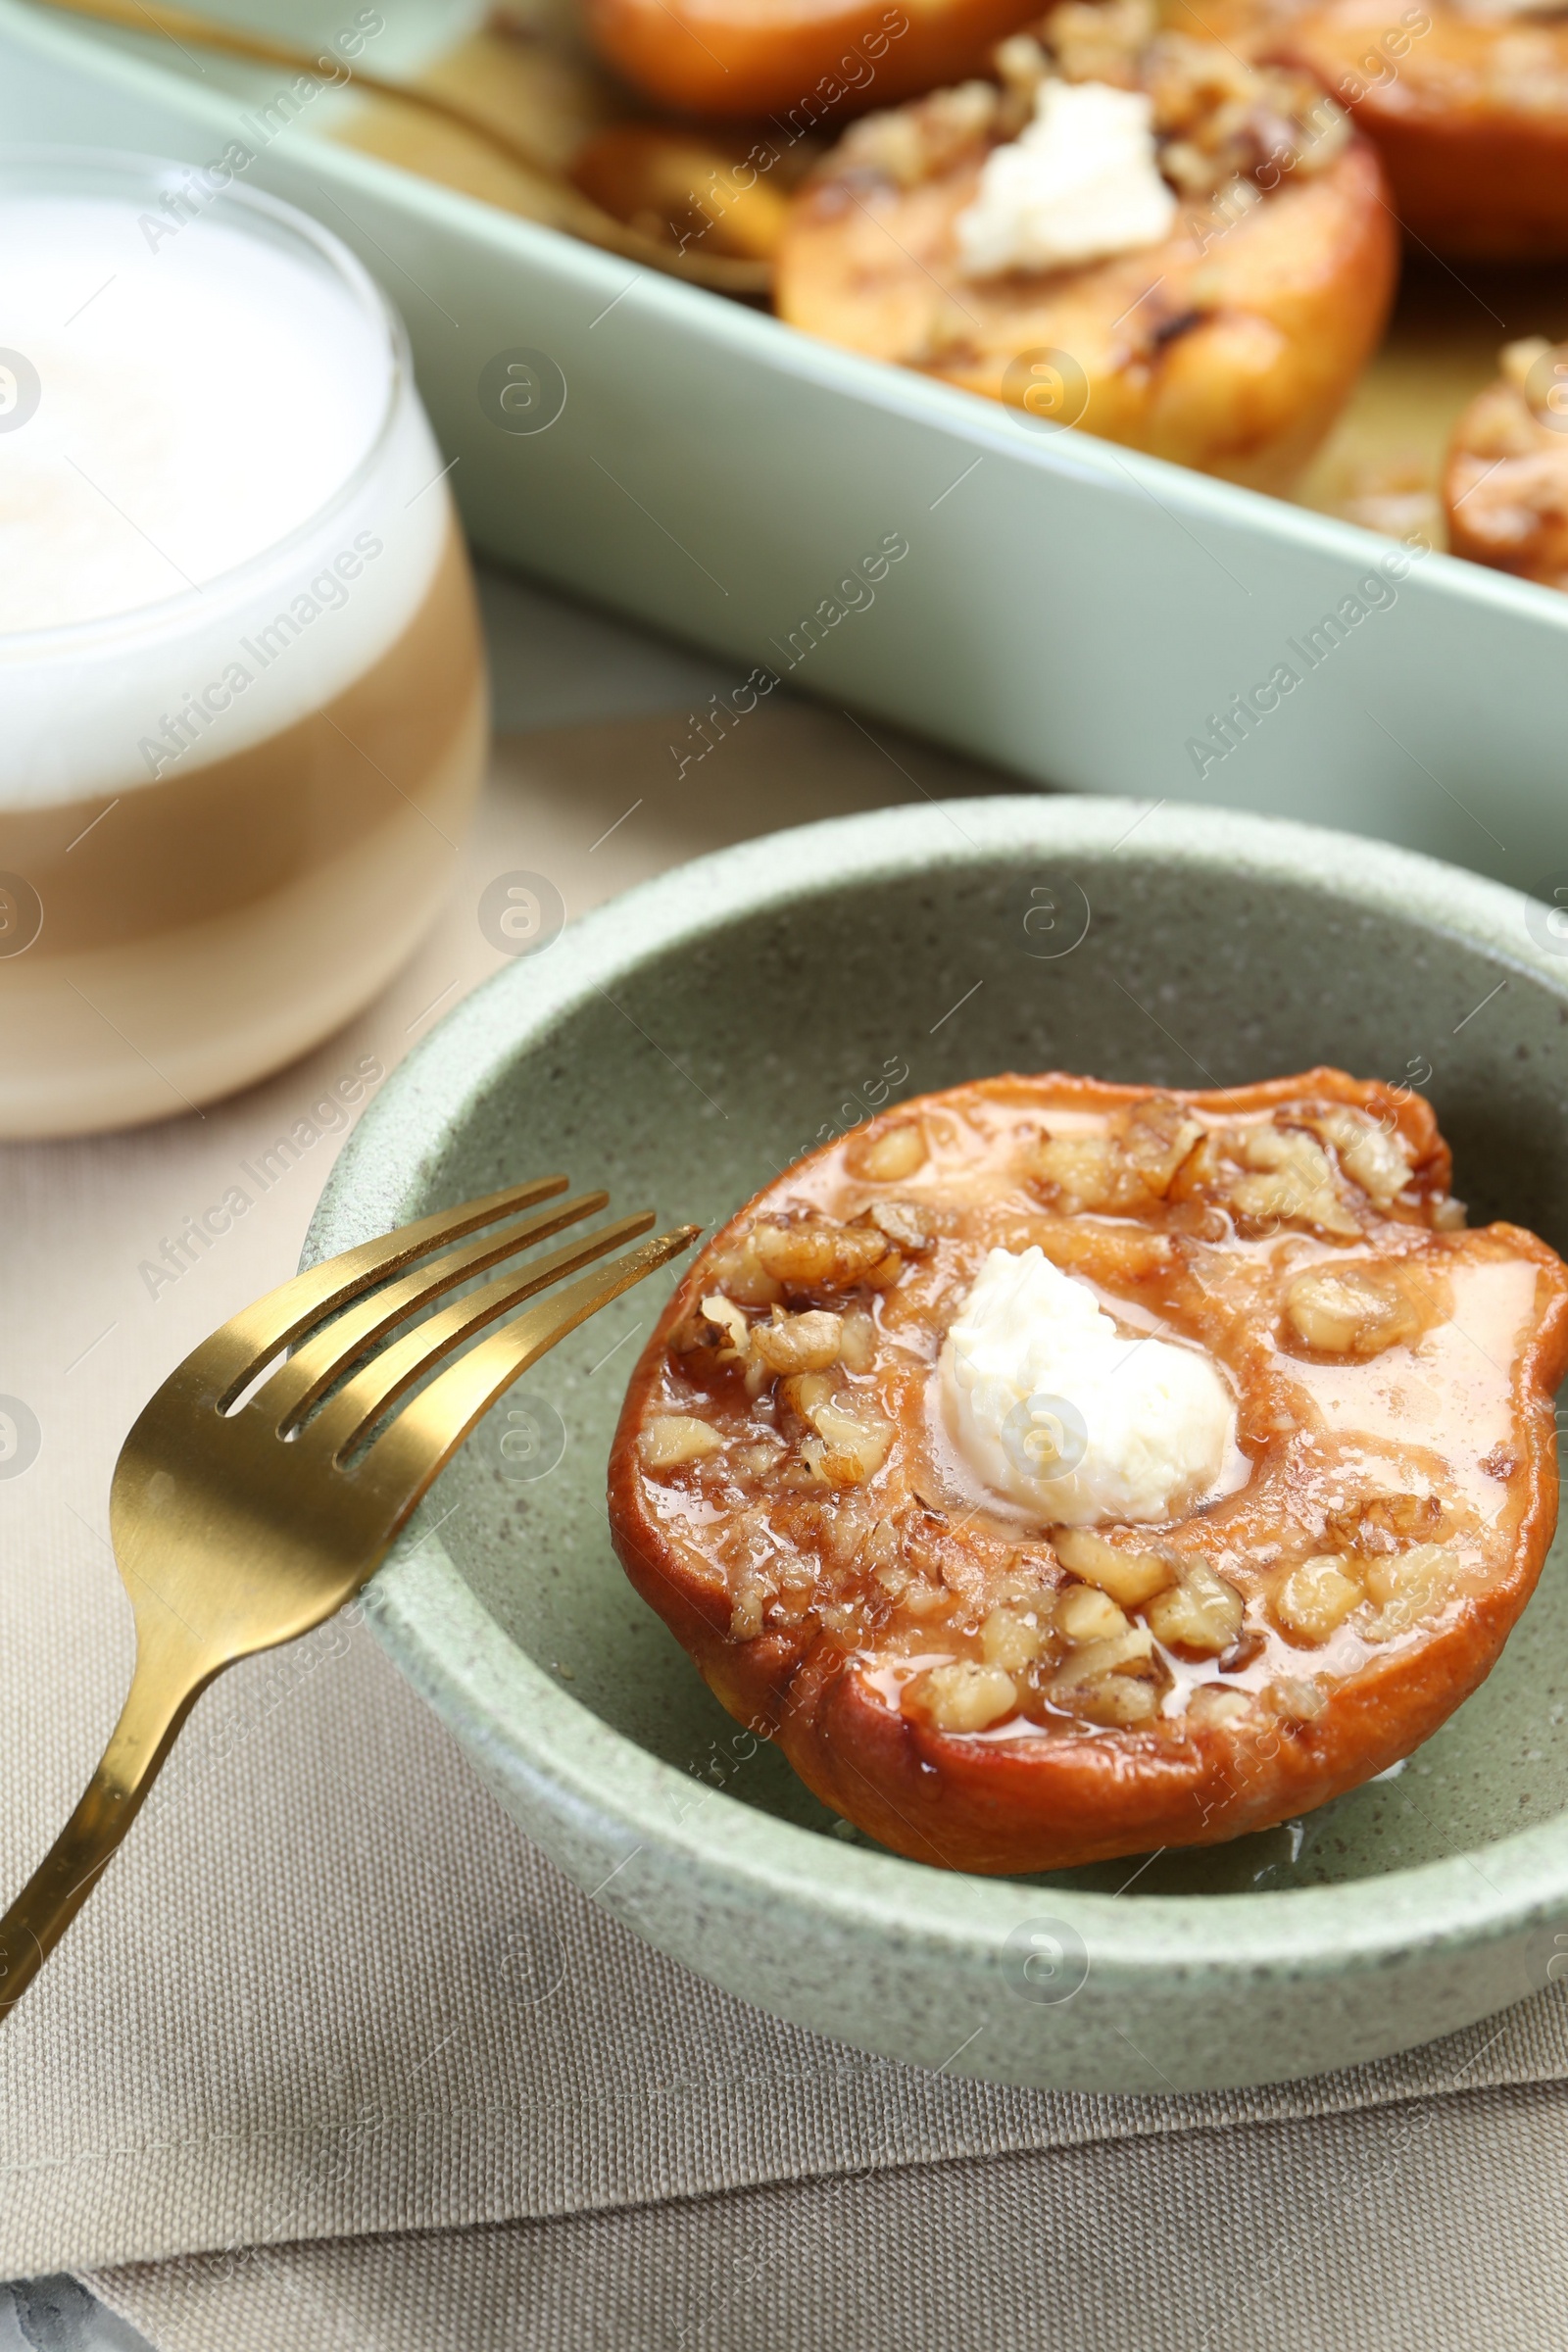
{"x":237,"y":1529}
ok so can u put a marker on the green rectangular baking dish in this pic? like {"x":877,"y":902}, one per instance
{"x":1078,"y":613}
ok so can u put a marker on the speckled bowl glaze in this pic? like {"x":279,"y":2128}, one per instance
{"x":687,"y":1042}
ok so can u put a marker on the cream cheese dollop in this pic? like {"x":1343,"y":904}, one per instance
{"x":1055,"y":1408}
{"x":1080,"y":183}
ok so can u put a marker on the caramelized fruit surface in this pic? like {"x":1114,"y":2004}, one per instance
{"x":798,"y":58}
{"x":1231,"y":347}
{"x":1468,"y":108}
{"x":978,"y":1686}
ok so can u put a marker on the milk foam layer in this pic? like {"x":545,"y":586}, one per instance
{"x":222,"y":506}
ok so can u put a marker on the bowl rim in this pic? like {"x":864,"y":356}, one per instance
{"x":565,"y":1762}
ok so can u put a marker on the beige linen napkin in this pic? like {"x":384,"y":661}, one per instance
{"x":328,"y":1991}
{"x":1432,"y":2224}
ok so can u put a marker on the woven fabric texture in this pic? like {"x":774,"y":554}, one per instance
{"x":1425,"y":2223}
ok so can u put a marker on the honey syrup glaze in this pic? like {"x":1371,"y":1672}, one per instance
{"x":980,"y":1687}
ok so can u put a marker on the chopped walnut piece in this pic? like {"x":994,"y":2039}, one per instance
{"x":904,"y":1222}
{"x":725,"y":1316}
{"x":1021,"y":62}
{"x":1367,"y":1151}
{"x":962,"y":1572}
{"x":1011,"y":1639}
{"x":1407,"y":1587}
{"x":1217,"y":1703}
{"x":741,"y":1275}
{"x":748,"y":1603}
{"x":857,"y":1340}
{"x":1021,"y":65}
{"x":761,"y":1580}
{"x":1380,"y":1522}
{"x":1201,"y":1613}
{"x":1086,"y":1614}
{"x":892,"y":144}
{"x":825,"y":1256}
{"x":1116,"y":1700}
{"x":846,"y":1523}
{"x":1343,"y":1310}
{"x":1114,"y":1656}
{"x":807,"y":1343}
{"x":1201,"y":1171}
{"x":804,"y":1392}
{"x":692,"y":1331}
{"x":882,"y":1546}
{"x":1221,"y":120}
{"x":1129,"y":1577}
{"x":852,"y":1439}
{"x":1191,"y":81}
{"x":1031,"y":1574}
{"x":1295,"y":1183}
{"x":676,"y":1438}
{"x":910,"y":143}
{"x":1155,"y":1140}
{"x":1086,"y":1170}
{"x":1314,"y":1597}
{"x":1406,"y":1515}
{"x":1100,"y":42}
{"x":887,"y":1157}
{"x":964,"y":1697}
{"x":1506,"y":483}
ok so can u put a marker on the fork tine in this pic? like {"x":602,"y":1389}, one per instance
{"x":409,"y":1455}
{"x":314,"y":1366}
{"x":236,"y":1352}
{"x":341,"y":1423}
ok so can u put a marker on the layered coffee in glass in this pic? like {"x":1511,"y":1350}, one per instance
{"x":242,"y":694}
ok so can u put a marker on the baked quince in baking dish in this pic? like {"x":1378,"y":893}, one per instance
{"x":1506,"y":478}
{"x":1467,"y":103}
{"x":797,"y":58}
{"x":1059,"y":1470}
{"x":1133,"y":232}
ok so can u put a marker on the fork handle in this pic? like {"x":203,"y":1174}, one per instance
{"x":154,"y":1708}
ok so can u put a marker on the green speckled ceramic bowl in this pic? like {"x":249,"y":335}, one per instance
{"x":687,"y":1042}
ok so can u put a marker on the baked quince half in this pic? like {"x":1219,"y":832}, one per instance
{"x":1059,"y":1470}
{"x":799,"y":60}
{"x":1467,"y":106}
{"x":1506,"y":480}
{"x":1131,"y":232}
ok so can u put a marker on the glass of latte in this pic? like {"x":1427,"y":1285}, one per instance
{"x":243,"y":692}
